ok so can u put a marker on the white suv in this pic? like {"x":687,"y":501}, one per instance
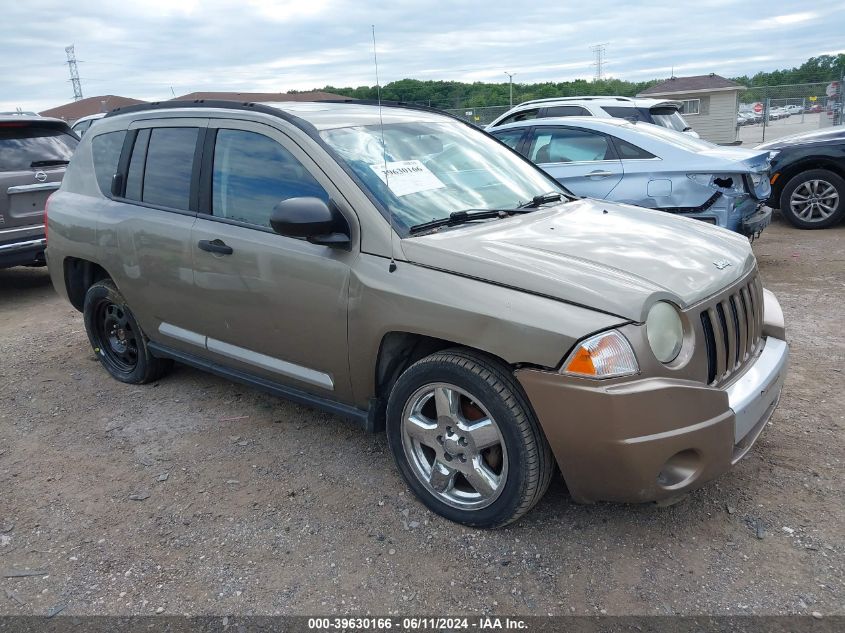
{"x":656,"y":111}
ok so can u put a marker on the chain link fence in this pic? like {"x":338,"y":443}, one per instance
{"x":479,"y":116}
{"x":770,"y":112}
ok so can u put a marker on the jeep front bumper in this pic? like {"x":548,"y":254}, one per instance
{"x":653,"y":438}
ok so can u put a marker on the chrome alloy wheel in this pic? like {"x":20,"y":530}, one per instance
{"x":814,"y":200}
{"x":454,"y":446}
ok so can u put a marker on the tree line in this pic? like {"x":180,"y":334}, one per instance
{"x":457,"y":94}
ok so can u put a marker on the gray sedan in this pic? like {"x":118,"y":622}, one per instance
{"x":649,"y":166}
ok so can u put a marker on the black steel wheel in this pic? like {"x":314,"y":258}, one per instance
{"x":117,"y":338}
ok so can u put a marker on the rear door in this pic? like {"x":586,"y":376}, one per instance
{"x":584,"y":161}
{"x":33,"y":156}
{"x":270,"y":305}
{"x":146,"y":234}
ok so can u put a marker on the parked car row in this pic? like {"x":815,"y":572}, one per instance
{"x":477,"y":299}
{"x":402,"y":268}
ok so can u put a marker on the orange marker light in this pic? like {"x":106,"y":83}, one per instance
{"x":775,"y":176}
{"x":582,"y":363}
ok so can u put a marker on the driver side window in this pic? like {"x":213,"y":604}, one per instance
{"x":252,"y":173}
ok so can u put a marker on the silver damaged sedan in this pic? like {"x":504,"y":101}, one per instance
{"x":649,"y":166}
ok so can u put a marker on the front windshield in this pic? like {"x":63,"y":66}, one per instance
{"x":435,"y":169}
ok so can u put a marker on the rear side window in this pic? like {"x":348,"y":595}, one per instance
{"x":630,"y":151}
{"x":511,"y":138}
{"x":106,"y":149}
{"x":25,"y":147}
{"x":569,"y":110}
{"x":567,"y":145}
{"x":631,"y":114}
{"x":524,"y":115}
{"x":161,"y":166}
{"x":252,"y":174}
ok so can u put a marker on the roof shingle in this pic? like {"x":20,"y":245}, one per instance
{"x":74,"y":110}
{"x":691,"y":84}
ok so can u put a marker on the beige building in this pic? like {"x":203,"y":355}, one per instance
{"x":710,"y":104}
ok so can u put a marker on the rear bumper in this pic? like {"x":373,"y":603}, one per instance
{"x":29,"y":252}
{"x":653,"y":438}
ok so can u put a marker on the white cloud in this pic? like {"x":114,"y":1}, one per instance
{"x":142,"y":48}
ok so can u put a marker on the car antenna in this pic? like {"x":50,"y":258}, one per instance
{"x":392,"y":267}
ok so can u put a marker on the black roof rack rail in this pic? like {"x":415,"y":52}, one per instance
{"x":400,"y":104}
{"x":212,"y":103}
{"x":265,"y":109}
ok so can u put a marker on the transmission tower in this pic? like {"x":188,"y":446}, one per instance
{"x":599,"y":51}
{"x":74,"y":73}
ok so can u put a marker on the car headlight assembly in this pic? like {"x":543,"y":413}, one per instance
{"x":665,"y":331}
{"x":605,"y":355}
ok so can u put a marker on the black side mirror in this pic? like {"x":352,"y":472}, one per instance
{"x":312,"y":219}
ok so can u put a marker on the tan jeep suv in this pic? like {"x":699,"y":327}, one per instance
{"x":401,"y":268}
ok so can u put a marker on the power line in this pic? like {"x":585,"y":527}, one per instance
{"x":599,"y":50}
{"x":74,"y":72}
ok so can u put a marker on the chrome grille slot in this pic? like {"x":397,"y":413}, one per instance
{"x":732,"y":325}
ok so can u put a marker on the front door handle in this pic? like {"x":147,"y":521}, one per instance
{"x":215,"y":246}
{"x":599,"y":174}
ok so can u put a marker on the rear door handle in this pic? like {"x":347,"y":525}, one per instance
{"x":215,"y":246}
{"x":600,"y":174}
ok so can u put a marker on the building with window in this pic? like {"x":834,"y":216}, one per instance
{"x":710,"y":104}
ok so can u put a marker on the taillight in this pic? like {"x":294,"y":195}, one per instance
{"x":46,"y":205}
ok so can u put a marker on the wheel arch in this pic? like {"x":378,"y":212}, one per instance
{"x":813,"y":162}
{"x":79,"y":276}
{"x":399,"y":350}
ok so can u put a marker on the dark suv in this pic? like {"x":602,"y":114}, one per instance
{"x":33,"y":154}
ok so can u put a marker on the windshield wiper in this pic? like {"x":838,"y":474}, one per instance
{"x":543,"y":198}
{"x":47,"y":163}
{"x":467,"y":215}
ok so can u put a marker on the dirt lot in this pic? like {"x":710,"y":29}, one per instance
{"x":195,"y":495}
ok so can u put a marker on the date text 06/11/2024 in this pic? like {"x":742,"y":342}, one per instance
{"x":416,"y":624}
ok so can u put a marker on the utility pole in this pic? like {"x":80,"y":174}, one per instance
{"x":510,"y":84}
{"x":599,"y":51}
{"x":74,"y":73}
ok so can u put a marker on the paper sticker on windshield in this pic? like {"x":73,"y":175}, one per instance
{"x":407,"y":176}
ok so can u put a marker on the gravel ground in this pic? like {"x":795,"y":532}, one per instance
{"x":198,"y":496}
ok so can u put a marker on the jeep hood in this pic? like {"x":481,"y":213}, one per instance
{"x":615,"y":258}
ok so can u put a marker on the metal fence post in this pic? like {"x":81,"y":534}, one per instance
{"x":766,"y":110}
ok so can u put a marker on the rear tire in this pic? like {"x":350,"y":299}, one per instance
{"x":116,"y":337}
{"x":466,"y":440}
{"x":814,"y":199}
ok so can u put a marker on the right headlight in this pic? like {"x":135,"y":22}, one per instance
{"x":665,"y":331}
{"x":605,"y":355}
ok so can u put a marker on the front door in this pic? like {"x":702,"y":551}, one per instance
{"x":269,"y":305}
{"x":583,"y":161}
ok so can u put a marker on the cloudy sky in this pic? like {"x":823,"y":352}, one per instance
{"x":152,"y":49}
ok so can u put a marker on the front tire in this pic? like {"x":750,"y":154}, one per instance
{"x":466,"y":440}
{"x":116,"y":337}
{"x":814,"y":199}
